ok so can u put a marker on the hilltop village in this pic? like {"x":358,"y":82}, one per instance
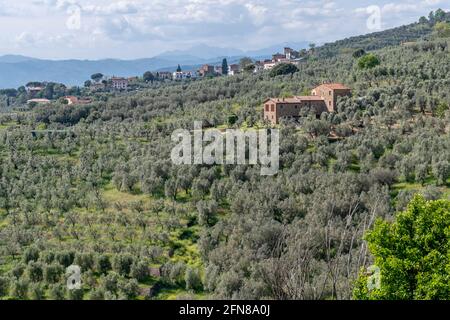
{"x":323,"y":98}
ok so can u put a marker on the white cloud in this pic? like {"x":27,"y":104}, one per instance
{"x":149,"y":26}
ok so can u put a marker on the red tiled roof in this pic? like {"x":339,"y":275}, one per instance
{"x":334,"y":86}
{"x":297,"y":99}
{"x":310,"y":98}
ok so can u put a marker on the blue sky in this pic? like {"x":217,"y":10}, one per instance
{"x":93,"y":29}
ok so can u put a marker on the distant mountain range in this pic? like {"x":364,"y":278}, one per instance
{"x":16,"y":70}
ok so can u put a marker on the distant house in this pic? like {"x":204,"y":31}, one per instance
{"x":164,"y":75}
{"x":71,"y":100}
{"x":206,"y":70}
{"x":178,"y":75}
{"x":38,"y":101}
{"x":259,"y":66}
{"x":34,"y":90}
{"x":119,"y":83}
{"x":233,"y":69}
{"x":97,"y":86}
{"x":291,"y":54}
{"x":218,"y":69}
{"x":269,"y":64}
{"x":182,"y":75}
{"x":278,"y":57}
{"x":323,"y":99}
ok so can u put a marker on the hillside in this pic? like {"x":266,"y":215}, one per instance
{"x":102,"y":192}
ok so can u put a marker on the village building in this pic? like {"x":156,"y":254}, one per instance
{"x":233,"y":69}
{"x":206,"y":70}
{"x":323,"y":99}
{"x":259,"y":66}
{"x":278,"y":57}
{"x":182,"y":75}
{"x":119,"y":83}
{"x":97,"y":86}
{"x":164,"y":75}
{"x":269,"y":64}
{"x":72,"y":100}
{"x":291,"y":54}
{"x":34,"y":90}
{"x":218,"y":69}
{"x":277,"y":108}
{"x":330,"y":93}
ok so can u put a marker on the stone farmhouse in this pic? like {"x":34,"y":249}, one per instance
{"x":323,"y":99}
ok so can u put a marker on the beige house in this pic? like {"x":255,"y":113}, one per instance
{"x":323,"y":99}
{"x":330,"y":93}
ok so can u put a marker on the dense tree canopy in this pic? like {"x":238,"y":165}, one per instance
{"x":94,"y":184}
{"x":412,"y":254}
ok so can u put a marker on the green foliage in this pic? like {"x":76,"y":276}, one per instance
{"x":192,"y":279}
{"x":103,"y":264}
{"x":57,"y":291}
{"x":122,"y":264}
{"x":441,"y":109}
{"x":37,"y":291}
{"x":19,"y":289}
{"x":4,"y":286}
{"x":283,"y":69}
{"x":244,"y":62}
{"x":97,"y":77}
{"x":224,"y":67}
{"x":368,"y":61}
{"x":412,"y":253}
{"x":35,"y":271}
{"x":442,"y":29}
{"x":53,"y":273}
{"x":249,"y":68}
{"x":129,"y":288}
{"x":359,"y":53}
{"x":139,"y":270}
{"x":148,"y":76}
{"x":31,"y":254}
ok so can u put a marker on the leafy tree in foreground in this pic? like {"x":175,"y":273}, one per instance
{"x":412,"y":253}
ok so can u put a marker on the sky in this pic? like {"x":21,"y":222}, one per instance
{"x":129,"y":29}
